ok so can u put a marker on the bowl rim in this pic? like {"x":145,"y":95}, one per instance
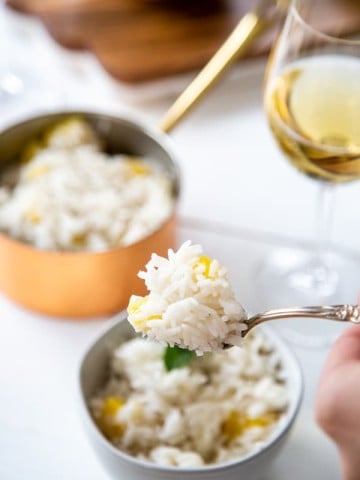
{"x":161,"y":138}
{"x":283,"y":428}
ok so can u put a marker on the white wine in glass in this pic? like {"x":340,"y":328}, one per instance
{"x":313,"y":108}
{"x":312,"y":102}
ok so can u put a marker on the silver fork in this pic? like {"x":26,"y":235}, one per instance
{"x":339,"y":313}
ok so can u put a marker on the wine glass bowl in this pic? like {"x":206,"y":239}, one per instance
{"x":313,"y":106}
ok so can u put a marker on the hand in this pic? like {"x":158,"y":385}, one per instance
{"x":338,"y":400}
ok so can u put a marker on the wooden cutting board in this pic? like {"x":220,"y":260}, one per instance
{"x":140,"y":40}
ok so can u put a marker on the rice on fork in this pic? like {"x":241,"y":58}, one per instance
{"x":190,"y":303}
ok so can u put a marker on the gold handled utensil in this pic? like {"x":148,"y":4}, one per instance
{"x":247,"y":30}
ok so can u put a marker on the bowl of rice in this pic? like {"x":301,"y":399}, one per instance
{"x":223,"y":416}
{"x":85,"y":198}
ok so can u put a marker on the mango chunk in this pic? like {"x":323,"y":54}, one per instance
{"x":205,"y":262}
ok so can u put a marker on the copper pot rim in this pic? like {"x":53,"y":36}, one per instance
{"x":130,"y":118}
{"x":158,"y":136}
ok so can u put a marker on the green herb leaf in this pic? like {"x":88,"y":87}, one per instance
{"x":176,"y":357}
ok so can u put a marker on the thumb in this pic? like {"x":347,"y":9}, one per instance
{"x":338,"y":392}
{"x":337,"y":406}
{"x":345,"y":351}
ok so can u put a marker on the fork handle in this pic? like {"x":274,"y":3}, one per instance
{"x":340,"y":313}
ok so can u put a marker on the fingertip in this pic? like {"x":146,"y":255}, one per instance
{"x":351,"y":331}
{"x":346,"y":349}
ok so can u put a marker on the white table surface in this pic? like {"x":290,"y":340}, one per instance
{"x":233,"y":175}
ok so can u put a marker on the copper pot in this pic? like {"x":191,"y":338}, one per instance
{"x":85,"y":284}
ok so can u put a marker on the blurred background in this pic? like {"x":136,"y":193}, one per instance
{"x":137,"y":56}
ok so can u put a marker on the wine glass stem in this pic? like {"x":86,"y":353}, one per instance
{"x":317,"y":277}
{"x":324,"y":220}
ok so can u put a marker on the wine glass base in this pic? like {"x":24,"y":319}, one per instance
{"x":293,"y":277}
{"x":314,"y":278}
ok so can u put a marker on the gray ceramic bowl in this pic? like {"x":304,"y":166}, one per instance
{"x":93,"y":373}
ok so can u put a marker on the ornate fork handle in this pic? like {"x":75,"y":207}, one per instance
{"x":340,"y":313}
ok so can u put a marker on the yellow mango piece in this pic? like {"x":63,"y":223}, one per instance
{"x":62,"y":128}
{"x":262,"y":421}
{"x":111,"y":431}
{"x":135,"y":304}
{"x":106,"y":422}
{"x":139,"y":324}
{"x":33,"y":216}
{"x":37,"y":171}
{"x":134,"y":307}
{"x":205,"y":262}
{"x":233,"y":426}
{"x":137,"y":167}
{"x":78,"y":240}
{"x":236,"y":424}
{"x":111,"y":405}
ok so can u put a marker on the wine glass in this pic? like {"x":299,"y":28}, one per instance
{"x":26,"y":68}
{"x":312,"y":102}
